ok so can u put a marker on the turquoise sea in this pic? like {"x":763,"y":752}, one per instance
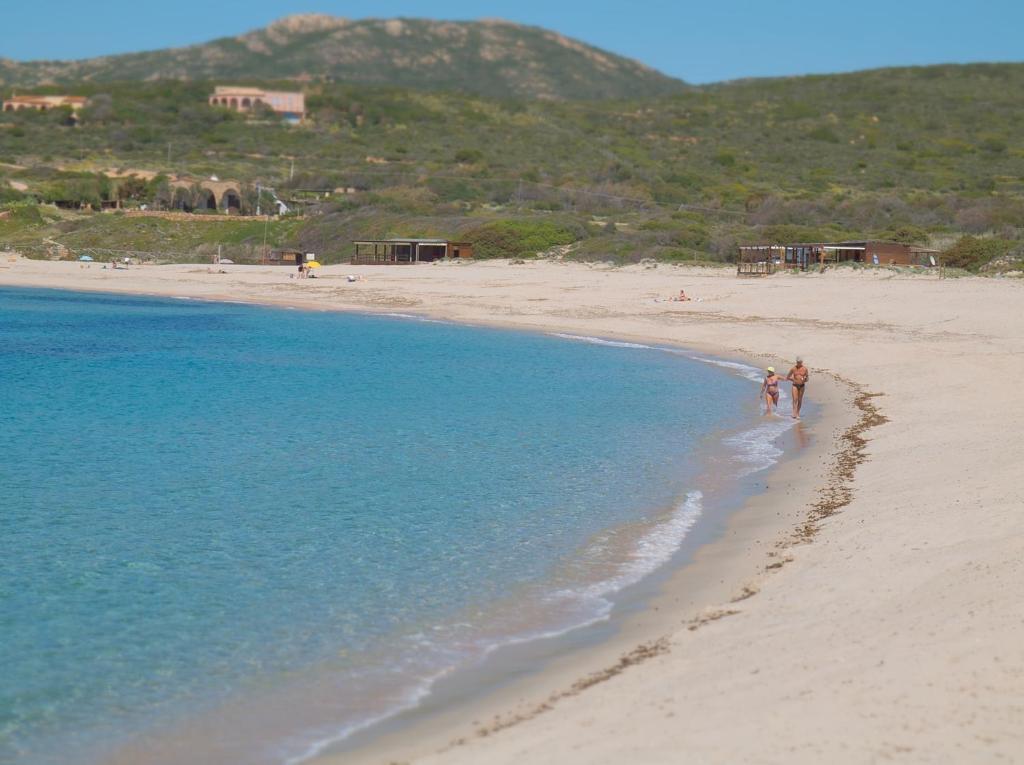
{"x":260,"y":529}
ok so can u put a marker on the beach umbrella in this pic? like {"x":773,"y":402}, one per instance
{"x":86,"y":257}
{"x":312,"y":264}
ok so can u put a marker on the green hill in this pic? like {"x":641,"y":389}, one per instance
{"x":929,"y":154}
{"x":496,"y":58}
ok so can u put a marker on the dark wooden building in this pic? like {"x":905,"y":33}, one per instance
{"x":284,"y":257}
{"x":406,"y":251}
{"x":766,"y":258}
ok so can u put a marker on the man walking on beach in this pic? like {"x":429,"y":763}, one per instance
{"x":798,"y":375}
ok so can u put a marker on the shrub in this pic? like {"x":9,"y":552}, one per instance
{"x":519,"y":238}
{"x":907,"y":235}
{"x":971,"y":252}
{"x":725,"y":158}
{"x":468,"y":156}
{"x":8,"y":194}
{"x":993,"y":144}
{"x":824,"y":133}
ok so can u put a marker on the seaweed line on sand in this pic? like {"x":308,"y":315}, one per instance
{"x":836,"y":494}
{"x":838,"y":490}
{"x":639,"y":654}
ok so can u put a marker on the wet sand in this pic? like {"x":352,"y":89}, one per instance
{"x":865,"y":607}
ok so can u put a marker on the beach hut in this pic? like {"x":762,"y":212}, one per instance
{"x":283,"y":257}
{"x":766,"y":258}
{"x":408,"y":251}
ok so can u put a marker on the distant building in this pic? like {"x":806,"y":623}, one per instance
{"x":291,"y":106}
{"x":44,"y":103}
{"x":766,"y":258}
{"x":395,"y":251}
{"x":286,"y":257}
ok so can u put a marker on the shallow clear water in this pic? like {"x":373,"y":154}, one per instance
{"x":206,"y":502}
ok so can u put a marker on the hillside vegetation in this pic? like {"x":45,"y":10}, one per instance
{"x":497,"y":58}
{"x":927,"y":154}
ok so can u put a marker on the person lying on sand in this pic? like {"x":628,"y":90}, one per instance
{"x":798,"y":375}
{"x":770,"y":390}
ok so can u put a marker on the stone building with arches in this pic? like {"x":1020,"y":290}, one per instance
{"x":289,"y":105}
{"x":191,"y":195}
{"x":43,"y":103}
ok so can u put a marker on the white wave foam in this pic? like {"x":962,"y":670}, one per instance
{"x":755,"y":448}
{"x":413,"y":317}
{"x":412,"y":699}
{"x":602,"y":341}
{"x":652,"y":551}
{"x":745,"y":370}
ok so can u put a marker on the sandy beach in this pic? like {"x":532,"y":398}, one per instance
{"x":864,"y":608}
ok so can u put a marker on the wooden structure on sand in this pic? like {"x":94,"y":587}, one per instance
{"x":284,"y":257}
{"x":408,"y":251}
{"x":764,"y":259}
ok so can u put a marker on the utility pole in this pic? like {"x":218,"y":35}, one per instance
{"x":259,"y":193}
{"x":291,"y":173}
{"x":266,"y":253}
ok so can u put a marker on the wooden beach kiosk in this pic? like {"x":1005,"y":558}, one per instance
{"x":284,"y":257}
{"x":387,"y":252}
{"x":765,"y":259}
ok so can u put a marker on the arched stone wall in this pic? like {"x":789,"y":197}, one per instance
{"x":223,"y":196}
{"x":230,"y":200}
{"x":182,"y":199}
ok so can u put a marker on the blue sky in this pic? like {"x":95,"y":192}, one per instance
{"x":698,"y":42}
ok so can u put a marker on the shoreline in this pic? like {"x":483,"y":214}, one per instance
{"x":709,"y":584}
{"x":545,"y":666}
{"x":570,"y":653}
{"x":560,"y":732}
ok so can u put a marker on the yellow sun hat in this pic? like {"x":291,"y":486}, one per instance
{"x":771,"y":369}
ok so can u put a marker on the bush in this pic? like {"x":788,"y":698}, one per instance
{"x":468,"y":156}
{"x":907,"y":235}
{"x":519,"y":238}
{"x":8,"y":195}
{"x":971,"y":252}
{"x":823,"y":133}
{"x":725,"y":158}
{"x":26,"y":214}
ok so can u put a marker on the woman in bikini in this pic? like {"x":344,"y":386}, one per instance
{"x":770,"y":390}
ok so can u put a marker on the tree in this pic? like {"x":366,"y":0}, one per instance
{"x":99,"y":109}
{"x":160,"y":192}
{"x":907,"y":235}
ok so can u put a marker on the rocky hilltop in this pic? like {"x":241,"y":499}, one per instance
{"x":494,"y":58}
